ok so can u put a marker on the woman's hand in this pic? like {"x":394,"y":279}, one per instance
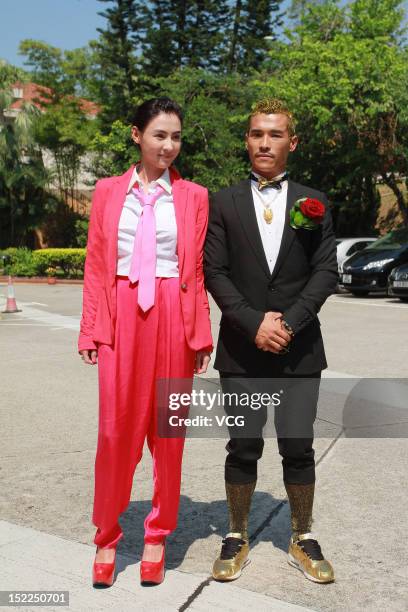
{"x":202,"y":361}
{"x":89,"y":356}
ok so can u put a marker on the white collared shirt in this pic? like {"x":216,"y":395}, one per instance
{"x":271,"y":233}
{"x":166,"y":228}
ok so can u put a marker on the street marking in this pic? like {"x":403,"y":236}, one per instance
{"x":41,"y":318}
{"x":49,"y":319}
{"x":24,"y":325}
{"x":334,"y":299}
{"x":335,"y":374}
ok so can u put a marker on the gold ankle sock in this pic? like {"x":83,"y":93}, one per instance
{"x":239,"y":503}
{"x":301,"y":507}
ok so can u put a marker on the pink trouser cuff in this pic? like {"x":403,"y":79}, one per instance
{"x":108,"y":539}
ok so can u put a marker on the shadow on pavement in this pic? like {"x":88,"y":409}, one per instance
{"x":198,"y":521}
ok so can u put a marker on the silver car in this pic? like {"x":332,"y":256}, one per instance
{"x":348,"y":246}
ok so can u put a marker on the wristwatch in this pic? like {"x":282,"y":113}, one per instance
{"x":288,"y":328}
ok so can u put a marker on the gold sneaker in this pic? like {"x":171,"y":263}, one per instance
{"x":306,"y":555}
{"x":233,"y":558}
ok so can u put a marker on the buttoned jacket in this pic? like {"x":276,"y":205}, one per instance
{"x":238,"y":277}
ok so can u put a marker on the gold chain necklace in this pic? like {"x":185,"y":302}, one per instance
{"x":262,"y":183}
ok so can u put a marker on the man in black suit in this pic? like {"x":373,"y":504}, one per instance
{"x":270,"y":271}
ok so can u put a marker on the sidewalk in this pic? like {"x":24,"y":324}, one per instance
{"x":40,"y":280}
{"x":53,"y":563}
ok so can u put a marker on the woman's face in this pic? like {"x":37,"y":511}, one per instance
{"x":160,"y":141}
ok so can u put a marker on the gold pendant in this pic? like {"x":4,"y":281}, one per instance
{"x":268,"y":215}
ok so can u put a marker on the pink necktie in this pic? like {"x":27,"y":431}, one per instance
{"x":143,"y":262}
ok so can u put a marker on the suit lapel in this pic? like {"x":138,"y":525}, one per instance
{"x":116,"y":200}
{"x":244,"y":204}
{"x":288,"y":232}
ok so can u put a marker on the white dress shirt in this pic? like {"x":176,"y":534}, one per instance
{"x":271,"y":233}
{"x":166,"y":227}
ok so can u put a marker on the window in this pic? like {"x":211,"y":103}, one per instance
{"x":396,"y":239}
{"x":357,"y":246}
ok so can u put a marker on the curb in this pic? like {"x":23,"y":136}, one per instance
{"x":42,"y":280}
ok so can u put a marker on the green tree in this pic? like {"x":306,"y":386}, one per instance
{"x":65,"y":131}
{"x":321,"y":20}
{"x":208,"y":22}
{"x":63,"y":128}
{"x":82,"y":73}
{"x":184,"y":34}
{"x":75,"y":72}
{"x":9,"y":75}
{"x":215,"y":35}
{"x":376,"y":19}
{"x":115,"y":54}
{"x":349,"y":94}
{"x":159,"y":47}
{"x":253,"y":25}
{"x":114,"y":152}
{"x":23,"y":177}
{"x":44,"y":62}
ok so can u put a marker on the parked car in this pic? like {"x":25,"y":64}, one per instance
{"x":398,"y":282}
{"x":368,"y":270}
{"x":349,"y":246}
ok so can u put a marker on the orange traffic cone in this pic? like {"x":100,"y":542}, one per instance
{"x":11,"y":305}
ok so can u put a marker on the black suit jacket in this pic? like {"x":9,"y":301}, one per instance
{"x":238,"y":277}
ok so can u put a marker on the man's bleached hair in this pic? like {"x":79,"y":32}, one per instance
{"x":273,"y":106}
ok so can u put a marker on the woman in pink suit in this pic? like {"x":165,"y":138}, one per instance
{"x":145,"y":317}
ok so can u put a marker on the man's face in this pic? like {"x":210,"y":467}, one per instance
{"x":269,"y":144}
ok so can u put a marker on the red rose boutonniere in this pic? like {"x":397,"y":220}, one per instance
{"x":307,"y":213}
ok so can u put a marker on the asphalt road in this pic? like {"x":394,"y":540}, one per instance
{"x":48,"y":409}
{"x":363,"y":336}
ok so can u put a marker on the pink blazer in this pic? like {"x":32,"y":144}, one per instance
{"x":99,"y":294}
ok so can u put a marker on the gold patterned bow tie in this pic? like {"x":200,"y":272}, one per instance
{"x":263,"y":182}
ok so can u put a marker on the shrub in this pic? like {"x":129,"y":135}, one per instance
{"x":18,"y":262}
{"x":69,"y":263}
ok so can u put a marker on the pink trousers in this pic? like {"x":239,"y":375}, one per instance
{"x":148,"y":346}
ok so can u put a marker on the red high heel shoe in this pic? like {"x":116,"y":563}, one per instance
{"x":152,"y":572}
{"x":103,"y":574}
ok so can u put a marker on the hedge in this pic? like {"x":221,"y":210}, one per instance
{"x":63,"y":263}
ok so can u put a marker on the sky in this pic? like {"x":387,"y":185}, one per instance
{"x":67,"y":24}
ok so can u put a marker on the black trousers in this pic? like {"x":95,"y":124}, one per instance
{"x":294,"y":412}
